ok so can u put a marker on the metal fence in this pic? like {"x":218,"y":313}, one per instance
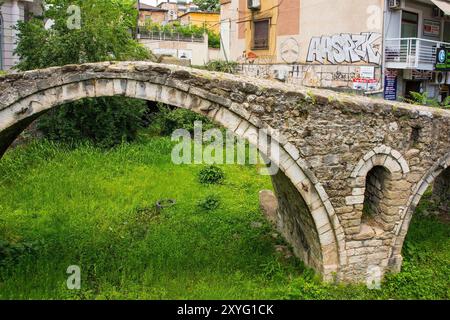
{"x":169,"y":36}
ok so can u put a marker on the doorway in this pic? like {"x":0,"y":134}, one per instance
{"x":414,"y":86}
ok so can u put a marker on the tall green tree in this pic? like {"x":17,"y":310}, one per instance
{"x":79,"y":31}
{"x":208,"y":5}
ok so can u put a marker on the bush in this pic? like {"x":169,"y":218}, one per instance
{"x":185,"y":30}
{"x":213,"y":39}
{"x":211,"y":175}
{"x":222,"y":66}
{"x":104,"y":121}
{"x":11,"y":252}
{"x":422,"y":99}
{"x":210,"y":203}
{"x":168,"y":120}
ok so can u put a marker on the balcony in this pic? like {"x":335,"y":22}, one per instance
{"x":411,"y":53}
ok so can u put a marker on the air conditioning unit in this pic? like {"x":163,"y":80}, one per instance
{"x":438,"y":13}
{"x":254,"y":4}
{"x":440,"y":77}
{"x":394,"y":4}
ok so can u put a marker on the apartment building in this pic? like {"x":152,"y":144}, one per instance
{"x":12,"y":11}
{"x":383,"y":47}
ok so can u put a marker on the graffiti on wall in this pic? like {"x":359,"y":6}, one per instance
{"x":362,"y":78}
{"x":345,"y":48}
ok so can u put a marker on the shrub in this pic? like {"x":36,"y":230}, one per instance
{"x":168,"y":120}
{"x":10,"y":252}
{"x":104,"y":121}
{"x":185,"y":30}
{"x":422,"y":99}
{"x":222,"y":66}
{"x":211,"y":202}
{"x":211,"y":175}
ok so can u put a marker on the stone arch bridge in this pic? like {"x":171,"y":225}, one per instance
{"x":352,"y":169}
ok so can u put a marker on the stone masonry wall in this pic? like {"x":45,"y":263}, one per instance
{"x":295,"y":222}
{"x":329,"y":143}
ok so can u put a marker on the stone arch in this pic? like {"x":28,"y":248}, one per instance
{"x":22,"y":109}
{"x":378,"y":171}
{"x":406,"y":215}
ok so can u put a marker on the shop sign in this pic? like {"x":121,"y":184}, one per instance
{"x":442,"y":59}
{"x":390,"y":85}
{"x":365,"y":84}
{"x":431,"y":28}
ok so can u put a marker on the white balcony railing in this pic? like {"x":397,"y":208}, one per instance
{"x":411,"y":53}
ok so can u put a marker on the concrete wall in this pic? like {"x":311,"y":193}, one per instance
{"x":196,"y":52}
{"x":311,"y":42}
{"x":11,"y":12}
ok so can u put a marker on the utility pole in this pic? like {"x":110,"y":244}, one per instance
{"x":137,"y":19}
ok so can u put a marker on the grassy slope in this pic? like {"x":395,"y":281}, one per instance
{"x":94,"y":209}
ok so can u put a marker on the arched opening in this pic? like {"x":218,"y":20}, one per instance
{"x":323,"y":255}
{"x":376,"y":181}
{"x":295,"y":221}
{"x":376,"y":209}
{"x":423,"y":239}
{"x":221,"y":234}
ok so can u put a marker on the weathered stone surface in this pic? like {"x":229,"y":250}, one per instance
{"x":332,"y":148}
{"x":269,"y":205}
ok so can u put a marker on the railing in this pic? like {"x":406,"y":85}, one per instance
{"x":168,"y":36}
{"x":411,"y":53}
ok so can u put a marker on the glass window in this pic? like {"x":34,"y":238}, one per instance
{"x":410,"y":24}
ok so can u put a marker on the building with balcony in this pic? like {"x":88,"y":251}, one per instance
{"x":319,"y":43}
{"x":11,"y":12}
{"x":414,"y":30}
{"x":373,"y":46}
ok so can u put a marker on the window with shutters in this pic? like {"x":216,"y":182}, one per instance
{"x":261,"y":34}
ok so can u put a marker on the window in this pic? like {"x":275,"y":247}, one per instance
{"x":261,"y":34}
{"x":410,"y":24}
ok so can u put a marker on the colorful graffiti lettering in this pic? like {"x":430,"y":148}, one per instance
{"x":345,"y":48}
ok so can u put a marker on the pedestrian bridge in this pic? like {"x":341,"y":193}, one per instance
{"x":352,"y":169}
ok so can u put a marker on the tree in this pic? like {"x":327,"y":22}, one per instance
{"x":208,"y":5}
{"x":84,"y":31}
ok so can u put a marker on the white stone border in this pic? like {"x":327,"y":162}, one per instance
{"x":381,"y":155}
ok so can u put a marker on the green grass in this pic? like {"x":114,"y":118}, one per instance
{"x":95,"y":209}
